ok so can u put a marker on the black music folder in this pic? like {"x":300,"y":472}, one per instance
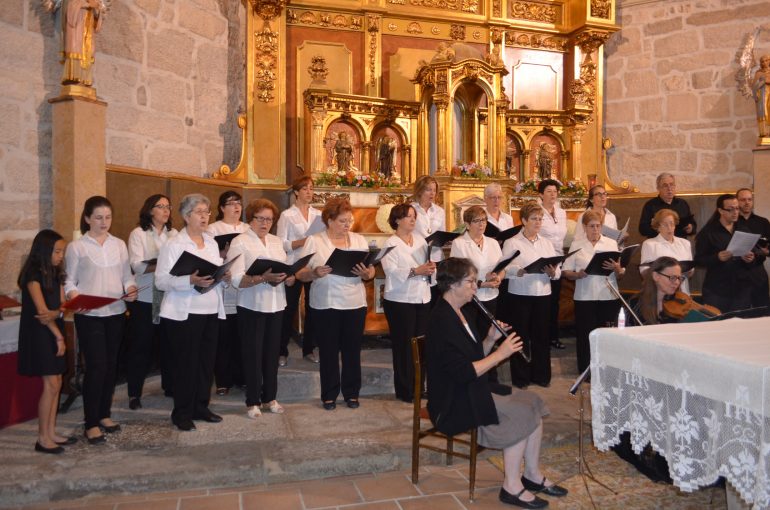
{"x":342,"y":262}
{"x":151,"y":264}
{"x":501,"y":235}
{"x":261,"y":265}
{"x":439,"y":238}
{"x":595,"y":265}
{"x":225,"y":239}
{"x":538,"y":265}
{"x":504,"y":262}
{"x":187,"y":264}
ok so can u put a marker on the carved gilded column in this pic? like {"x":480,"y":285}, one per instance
{"x":442,"y":147}
{"x":373,"y":55}
{"x":576,"y":150}
{"x":317,"y":141}
{"x":501,"y":107}
{"x":406,"y":164}
{"x":366,"y":148}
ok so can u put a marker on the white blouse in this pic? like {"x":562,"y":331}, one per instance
{"x":428,"y":222}
{"x":293,"y":226}
{"x":592,"y":287}
{"x":145,"y":245}
{"x":264,"y":297}
{"x":657,"y":246}
{"x":580,"y":233}
{"x":554,"y":228}
{"x":504,"y":222}
{"x":529,"y":284}
{"x":332,"y":291}
{"x":485,"y":259}
{"x":397,"y":264}
{"x":219,"y":228}
{"x":99,"y":270}
{"x":181,"y":298}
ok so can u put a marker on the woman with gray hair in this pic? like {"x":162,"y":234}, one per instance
{"x":190,"y":316}
{"x":493,"y":198}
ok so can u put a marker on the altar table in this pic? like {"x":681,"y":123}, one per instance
{"x":18,"y":394}
{"x":700,"y":393}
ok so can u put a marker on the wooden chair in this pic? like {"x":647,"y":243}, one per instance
{"x":418,"y":433}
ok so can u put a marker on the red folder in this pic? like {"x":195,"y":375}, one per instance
{"x":86,"y":302}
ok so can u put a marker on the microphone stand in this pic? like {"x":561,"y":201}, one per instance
{"x":527,"y":357}
{"x":615,"y":292}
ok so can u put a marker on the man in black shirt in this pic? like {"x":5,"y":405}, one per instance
{"x":727,"y":284}
{"x":760,"y":295}
{"x":666,"y":199}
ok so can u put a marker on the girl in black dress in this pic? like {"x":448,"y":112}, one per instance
{"x":41,"y":342}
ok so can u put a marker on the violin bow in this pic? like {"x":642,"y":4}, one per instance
{"x":616,"y":293}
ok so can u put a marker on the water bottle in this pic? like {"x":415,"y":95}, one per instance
{"x":622,"y":318}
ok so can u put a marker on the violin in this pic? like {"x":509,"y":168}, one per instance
{"x":680,"y":306}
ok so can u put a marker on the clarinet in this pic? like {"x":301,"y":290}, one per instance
{"x":499,"y":328}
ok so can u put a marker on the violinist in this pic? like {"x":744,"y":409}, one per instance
{"x":662,"y":280}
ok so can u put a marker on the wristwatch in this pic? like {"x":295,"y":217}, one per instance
{"x":412,"y":274}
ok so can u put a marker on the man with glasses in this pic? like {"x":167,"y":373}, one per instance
{"x":760,"y":294}
{"x":667,"y":199}
{"x":728,"y":281}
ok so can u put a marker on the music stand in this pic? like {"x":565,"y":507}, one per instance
{"x":584,"y":471}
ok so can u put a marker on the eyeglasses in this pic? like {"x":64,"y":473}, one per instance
{"x":471,"y":281}
{"x":478,"y":220}
{"x":161,"y":206}
{"x":730,"y":209}
{"x":535,"y":218}
{"x":233,"y":202}
{"x":263,"y":219}
{"x":201,"y":212}
{"x":602,"y":194}
{"x":672,"y":277}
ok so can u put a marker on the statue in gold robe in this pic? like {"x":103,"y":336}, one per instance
{"x":79,"y":21}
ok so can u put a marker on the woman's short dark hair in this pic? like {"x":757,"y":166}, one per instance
{"x":257,"y":205}
{"x":39,"y":261}
{"x":223,"y":199}
{"x":473,"y":212}
{"x":591,"y":193}
{"x":398,"y":212}
{"x":453,"y":270}
{"x":334,"y":208}
{"x":545,"y":183}
{"x":88,"y":209}
{"x":145,"y":213}
{"x":421,"y":184}
{"x":300,"y":182}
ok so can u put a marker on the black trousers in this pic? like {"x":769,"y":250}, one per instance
{"x":590,"y":315}
{"x":531,"y":315}
{"x":405,"y":320}
{"x":146,"y":342}
{"x":99,"y":339}
{"x":760,"y":294}
{"x":341,"y":334}
{"x":194,"y":344}
{"x":227,"y":370}
{"x":740,"y":299}
{"x":553,"y":325}
{"x":292,"y":305}
{"x":260,"y":343}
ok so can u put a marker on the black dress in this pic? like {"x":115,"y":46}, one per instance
{"x":37,"y":345}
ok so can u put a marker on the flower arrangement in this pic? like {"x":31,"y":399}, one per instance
{"x":574,"y":188}
{"x":353,"y":180}
{"x":471,"y":170}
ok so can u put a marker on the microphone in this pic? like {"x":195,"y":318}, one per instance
{"x":497,"y":326}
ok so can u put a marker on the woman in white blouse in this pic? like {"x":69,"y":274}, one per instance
{"x":666,"y":244}
{"x":191,"y":317}
{"x":554,"y":229}
{"x":530,"y":296}
{"x":293,"y":229}
{"x":97,"y":264}
{"x":493,"y":198}
{"x":485,"y":253}
{"x":597,"y":202}
{"x":227,"y":370}
{"x":261,"y":302}
{"x":407,"y":294}
{"x":595,"y":305}
{"x":338,"y":303}
{"x":144,"y":244}
{"x":430,"y":218}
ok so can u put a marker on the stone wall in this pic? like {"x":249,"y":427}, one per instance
{"x":671,"y":101}
{"x":171,"y":72}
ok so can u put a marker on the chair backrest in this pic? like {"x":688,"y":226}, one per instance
{"x":418,"y":349}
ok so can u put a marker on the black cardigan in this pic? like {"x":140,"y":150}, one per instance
{"x":458,"y":399}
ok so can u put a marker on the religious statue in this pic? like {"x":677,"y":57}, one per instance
{"x":754,"y":81}
{"x":386,"y":155}
{"x":544,"y":160}
{"x":344,"y":152}
{"x":79,"y":20}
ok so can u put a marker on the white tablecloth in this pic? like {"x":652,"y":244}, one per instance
{"x":700,"y":393}
{"x":9,"y":334}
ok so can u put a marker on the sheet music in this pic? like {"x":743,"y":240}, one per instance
{"x":315,"y":227}
{"x":614,"y":233}
{"x":741,"y":243}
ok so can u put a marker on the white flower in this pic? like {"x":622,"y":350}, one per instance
{"x":381,"y":219}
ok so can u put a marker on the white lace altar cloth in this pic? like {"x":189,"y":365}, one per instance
{"x":700,"y":393}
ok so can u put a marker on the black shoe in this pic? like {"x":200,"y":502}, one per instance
{"x":134,"y":403}
{"x":509,"y":499}
{"x":553,"y":490}
{"x":56,"y":450}
{"x":353,"y":403}
{"x":110,"y":429}
{"x":93,"y":441}
{"x":67,"y":442}
{"x":330,"y":406}
{"x":556,"y":344}
{"x":183,"y":425}
{"x":207,"y":416}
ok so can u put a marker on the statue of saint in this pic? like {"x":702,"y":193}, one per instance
{"x":79,"y":21}
{"x":344,"y":152}
{"x":386,"y":153}
{"x":760,"y":86}
{"x":544,"y":161}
